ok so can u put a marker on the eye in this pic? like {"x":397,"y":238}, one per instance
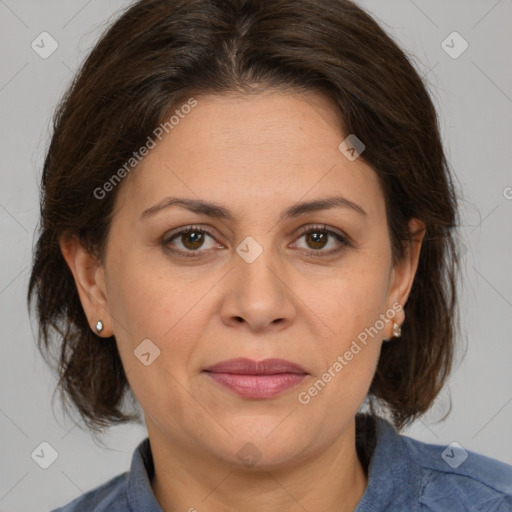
{"x":189,"y":241}
{"x":318,"y":237}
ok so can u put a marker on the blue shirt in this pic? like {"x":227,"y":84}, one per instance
{"x":403,"y":475}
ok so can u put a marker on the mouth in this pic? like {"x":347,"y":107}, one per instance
{"x":257,"y":379}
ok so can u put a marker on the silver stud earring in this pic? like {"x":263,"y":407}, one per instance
{"x":99,"y":326}
{"x":397,"y":330}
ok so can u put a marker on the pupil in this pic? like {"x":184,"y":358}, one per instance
{"x":318,"y":238}
{"x":196,"y":238}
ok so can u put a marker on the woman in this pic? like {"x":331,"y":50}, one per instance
{"x":248,"y":229}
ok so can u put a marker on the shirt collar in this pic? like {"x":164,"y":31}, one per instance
{"x":139,"y":492}
{"x":393,"y":479}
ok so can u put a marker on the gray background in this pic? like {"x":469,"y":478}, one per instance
{"x":474,"y":96}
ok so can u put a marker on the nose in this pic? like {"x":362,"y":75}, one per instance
{"x":259,"y":293}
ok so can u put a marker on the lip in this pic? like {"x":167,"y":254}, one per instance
{"x":257,"y":379}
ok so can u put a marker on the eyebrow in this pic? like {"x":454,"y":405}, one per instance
{"x":218,"y":211}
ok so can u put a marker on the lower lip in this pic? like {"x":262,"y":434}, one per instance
{"x":257,"y":386}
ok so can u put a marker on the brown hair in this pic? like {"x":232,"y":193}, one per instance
{"x":161,"y":51}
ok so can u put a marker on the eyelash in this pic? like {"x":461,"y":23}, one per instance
{"x":344,"y":243}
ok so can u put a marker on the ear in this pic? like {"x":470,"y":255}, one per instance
{"x":402,"y":275}
{"x":89,"y":276}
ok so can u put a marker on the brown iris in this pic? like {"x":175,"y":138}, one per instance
{"x":317,"y":238}
{"x":197,"y":238}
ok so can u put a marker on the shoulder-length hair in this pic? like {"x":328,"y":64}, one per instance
{"x":159,"y":52}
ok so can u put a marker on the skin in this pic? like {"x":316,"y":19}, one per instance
{"x":256,"y":156}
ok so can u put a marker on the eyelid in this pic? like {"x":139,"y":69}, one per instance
{"x":323,"y":227}
{"x":191,"y":227}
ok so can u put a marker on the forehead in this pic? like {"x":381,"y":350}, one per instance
{"x":246,"y":150}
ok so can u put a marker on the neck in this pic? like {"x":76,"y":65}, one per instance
{"x":186,"y":479}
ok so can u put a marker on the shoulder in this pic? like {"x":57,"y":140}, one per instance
{"x":461,"y":479}
{"x":109,"y":496}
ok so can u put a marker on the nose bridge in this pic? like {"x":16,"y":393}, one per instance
{"x":260,"y":295}
{"x":258,"y":262}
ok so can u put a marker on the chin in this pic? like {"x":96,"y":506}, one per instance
{"x":264,"y":452}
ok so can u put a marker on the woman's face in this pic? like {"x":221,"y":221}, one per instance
{"x":255,"y":284}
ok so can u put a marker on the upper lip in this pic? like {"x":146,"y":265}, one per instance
{"x":244,"y":366}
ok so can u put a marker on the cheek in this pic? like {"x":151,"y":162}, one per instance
{"x":142,"y":299}
{"x":352,"y":299}
{"x":147,"y":303}
{"x":351,"y":307}
{"x":153,"y":316}
{"x":350,"y":357}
